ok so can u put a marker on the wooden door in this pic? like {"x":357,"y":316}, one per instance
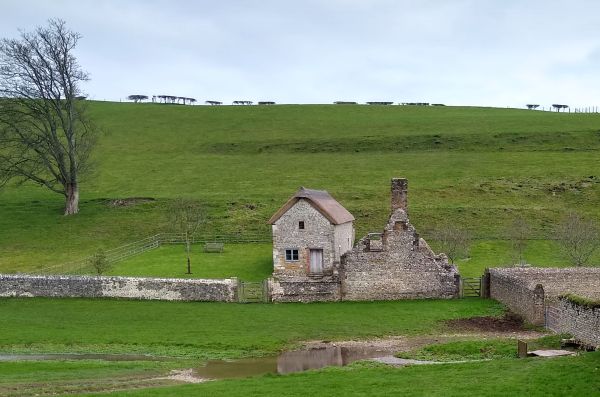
{"x":316,"y":261}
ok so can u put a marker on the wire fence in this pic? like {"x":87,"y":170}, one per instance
{"x":118,"y":254}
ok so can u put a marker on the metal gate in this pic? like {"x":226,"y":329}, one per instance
{"x":253,"y":291}
{"x":470,"y":287}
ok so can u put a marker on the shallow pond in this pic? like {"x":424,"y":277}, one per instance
{"x":288,"y":362}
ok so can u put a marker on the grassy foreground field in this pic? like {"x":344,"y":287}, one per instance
{"x":188,"y":332}
{"x":571,"y":376}
{"x":477,"y":167}
{"x":213,"y":330}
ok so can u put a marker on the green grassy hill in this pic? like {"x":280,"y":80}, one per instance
{"x":478,"y":167}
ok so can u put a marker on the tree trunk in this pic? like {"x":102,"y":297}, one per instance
{"x":72,"y":199}
{"x":187,"y":249}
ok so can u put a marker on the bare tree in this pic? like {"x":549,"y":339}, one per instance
{"x":518,"y":234}
{"x":137,"y":98}
{"x":453,"y":241}
{"x":45,"y":136}
{"x":578,"y":237}
{"x":100,"y":262}
{"x":186,"y":216}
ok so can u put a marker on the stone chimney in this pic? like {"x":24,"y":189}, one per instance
{"x":400,"y":194}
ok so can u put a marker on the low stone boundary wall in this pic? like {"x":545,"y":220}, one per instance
{"x":518,"y":296}
{"x":303,"y":290}
{"x":580,"y":321}
{"x":524,"y":290}
{"x":172,"y":289}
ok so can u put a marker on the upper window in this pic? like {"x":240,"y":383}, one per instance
{"x":301,"y":225}
{"x":291,"y":255}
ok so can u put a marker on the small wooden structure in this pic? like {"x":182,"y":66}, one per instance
{"x":214,"y":247}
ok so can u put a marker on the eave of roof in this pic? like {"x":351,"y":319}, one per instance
{"x":322,"y":201}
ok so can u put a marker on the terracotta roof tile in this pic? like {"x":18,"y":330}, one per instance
{"x":322,"y":201}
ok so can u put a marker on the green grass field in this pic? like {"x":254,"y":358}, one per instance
{"x":248,"y":262}
{"x":477,"y":167}
{"x":572,"y":376}
{"x":187,"y":333}
{"x":213,"y":330}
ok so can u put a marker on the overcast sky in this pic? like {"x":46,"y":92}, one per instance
{"x":462,"y":52}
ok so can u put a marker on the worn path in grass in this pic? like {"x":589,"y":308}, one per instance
{"x":476,"y":167}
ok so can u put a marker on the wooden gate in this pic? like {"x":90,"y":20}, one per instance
{"x":552,"y":317}
{"x":470,"y":287}
{"x":253,"y":291}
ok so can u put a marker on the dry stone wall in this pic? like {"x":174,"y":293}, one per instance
{"x":520,"y":297}
{"x":302,"y":289}
{"x":580,"y":321}
{"x":399,"y":266}
{"x":525,"y":290}
{"x":224,"y":290}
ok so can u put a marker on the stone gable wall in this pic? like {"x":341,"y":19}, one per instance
{"x":318,"y":233}
{"x":224,"y":290}
{"x":404,"y":268}
{"x":581,"y":322}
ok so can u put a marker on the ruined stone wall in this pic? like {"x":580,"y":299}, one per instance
{"x":118,"y":287}
{"x":404,"y":267}
{"x":581,"y":322}
{"x":318,"y":233}
{"x":518,"y":296}
{"x":523,"y":290}
{"x":343,"y":239}
{"x":304,"y":289}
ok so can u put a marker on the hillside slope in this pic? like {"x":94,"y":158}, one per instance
{"x":478,"y":167}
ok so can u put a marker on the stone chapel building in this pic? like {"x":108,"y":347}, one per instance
{"x":315,"y":258}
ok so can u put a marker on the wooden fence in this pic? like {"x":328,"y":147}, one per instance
{"x":138,"y":247}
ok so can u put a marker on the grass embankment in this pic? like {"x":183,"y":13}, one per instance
{"x":213,"y":330}
{"x":476,"y":167}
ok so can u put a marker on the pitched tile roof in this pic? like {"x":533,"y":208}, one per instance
{"x":321,"y":201}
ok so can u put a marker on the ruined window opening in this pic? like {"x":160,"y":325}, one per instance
{"x":375,"y":241}
{"x":291,"y":255}
{"x":301,"y":225}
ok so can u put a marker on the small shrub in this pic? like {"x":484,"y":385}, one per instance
{"x":100,"y":262}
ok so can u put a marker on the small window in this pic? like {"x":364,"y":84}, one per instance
{"x":301,"y":225}
{"x":291,"y":255}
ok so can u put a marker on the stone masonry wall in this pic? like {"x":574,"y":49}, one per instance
{"x":518,"y":296}
{"x":404,"y":267}
{"x":318,"y":233}
{"x":581,"y":322}
{"x":118,"y":287}
{"x":303,"y":289}
{"x":523,"y":290}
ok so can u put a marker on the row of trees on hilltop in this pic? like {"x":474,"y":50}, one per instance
{"x":162,"y":99}
{"x":556,"y":106}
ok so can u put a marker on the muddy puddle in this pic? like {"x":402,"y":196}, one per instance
{"x":288,"y":362}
